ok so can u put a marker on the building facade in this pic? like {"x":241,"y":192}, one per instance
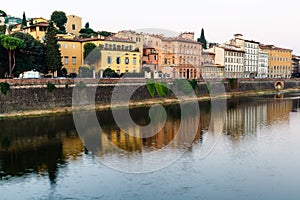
{"x":74,"y":25}
{"x":263,"y":64}
{"x":296,"y":66}
{"x":210,"y":70}
{"x":150,"y":58}
{"x":114,"y":53}
{"x":280,"y":61}
{"x":72,"y":54}
{"x":251,"y":49}
{"x":180,"y":55}
{"x":232,"y":58}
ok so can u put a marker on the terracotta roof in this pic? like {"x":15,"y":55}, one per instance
{"x":273,"y":47}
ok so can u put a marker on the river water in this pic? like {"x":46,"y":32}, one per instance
{"x":256,"y":156}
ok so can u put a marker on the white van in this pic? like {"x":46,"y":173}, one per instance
{"x":30,"y":74}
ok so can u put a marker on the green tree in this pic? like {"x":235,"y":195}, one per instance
{"x":105,"y":33}
{"x":32,"y":56}
{"x":11,"y":44}
{"x":53,"y":55}
{"x":24,"y":21}
{"x":2,"y":14}
{"x":3,"y":61}
{"x":88,"y":48}
{"x":87,"y":25}
{"x":60,"y":19}
{"x":109,"y":73}
{"x":202,"y":39}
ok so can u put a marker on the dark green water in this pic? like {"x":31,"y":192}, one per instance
{"x":256,"y":157}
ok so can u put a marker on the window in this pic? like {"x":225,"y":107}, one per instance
{"x":126,"y":60}
{"x":66,"y":46}
{"x":118,"y":60}
{"x":74,"y":46}
{"x":108,"y":60}
{"x":134,"y":61}
{"x":73,"y":27}
{"x":66,"y":58}
{"x":74,"y":60}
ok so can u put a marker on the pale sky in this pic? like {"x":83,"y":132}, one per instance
{"x":269,"y":22}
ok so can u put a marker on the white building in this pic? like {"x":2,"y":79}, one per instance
{"x":251,"y":49}
{"x":232,"y":57}
{"x":263,"y":64}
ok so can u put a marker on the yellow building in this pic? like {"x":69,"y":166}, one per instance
{"x":36,"y":27}
{"x":74,"y":24}
{"x":280,"y":61}
{"x":117,"y":54}
{"x":71,"y":52}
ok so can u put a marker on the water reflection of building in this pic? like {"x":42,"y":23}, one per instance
{"x":278,"y":110}
{"x":40,"y":146}
{"x":168,"y":135}
{"x":245,"y":117}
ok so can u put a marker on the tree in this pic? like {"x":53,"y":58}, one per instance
{"x":53,"y":55}
{"x":2,"y":14}
{"x":32,"y":56}
{"x":202,"y":39}
{"x":24,"y":21}
{"x":11,"y":44}
{"x":88,"y":48}
{"x":85,"y":72}
{"x":87,"y":25}
{"x":60,"y":19}
{"x":109,"y":73}
{"x":105,"y":33}
{"x":3,"y":61}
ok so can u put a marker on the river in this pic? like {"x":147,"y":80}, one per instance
{"x":255,"y":156}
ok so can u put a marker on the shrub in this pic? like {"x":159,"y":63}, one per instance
{"x":151,"y":88}
{"x":81,"y":85}
{"x":183,"y":85}
{"x":50,"y":87}
{"x":5,"y":87}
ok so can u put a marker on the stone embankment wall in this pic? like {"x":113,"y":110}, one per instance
{"x":29,"y":95}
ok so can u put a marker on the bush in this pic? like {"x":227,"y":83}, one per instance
{"x":81,"y":85}
{"x":85,"y":72}
{"x":183,"y":85}
{"x":5,"y":87}
{"x":161,"y":89}
{"x":50,"y":87}
{"x":151,"y":88}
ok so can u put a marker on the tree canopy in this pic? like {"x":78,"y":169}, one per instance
{"x":53,"y":55}
{"x":2,"y":14}
{"x":88,"y":48}
{"x":60,"y":19}
{"x":11,"y":44}
{"x":32,"y":56}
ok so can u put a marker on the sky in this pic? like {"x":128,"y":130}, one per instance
{"x":269,"y":22}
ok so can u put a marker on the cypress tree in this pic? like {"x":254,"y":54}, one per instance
{"x":53,"y":55}
{"x":24,"y":21}
{"x":202,"y":39}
